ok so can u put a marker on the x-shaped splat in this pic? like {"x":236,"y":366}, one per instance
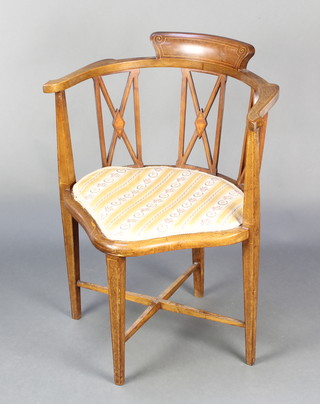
{"x":162,"y":302}
{"x":118,"y":117}
{"x":201,"y":119}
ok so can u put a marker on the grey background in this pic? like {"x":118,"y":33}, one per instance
{"x":45,"y":357}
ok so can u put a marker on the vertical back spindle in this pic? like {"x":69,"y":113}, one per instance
{"x":137,"y":121}
{"x":240,"y":178}
{"x":102,"y":141}
{"x":183,"y":109}
{"x":216,"y":152}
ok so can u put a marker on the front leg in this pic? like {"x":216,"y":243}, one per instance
{"x":116,"y":270}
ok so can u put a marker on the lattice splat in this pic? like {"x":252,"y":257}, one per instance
{"x":118,"y":119}
{"x":200,"y":121}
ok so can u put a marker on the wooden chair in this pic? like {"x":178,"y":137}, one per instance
{"x":138,"y":210}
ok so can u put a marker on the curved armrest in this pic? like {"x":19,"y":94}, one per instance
{"x":267,"y":93}
{"x":54,"y":86}
{"x":267,"y":97}
{"x":105,"y":66}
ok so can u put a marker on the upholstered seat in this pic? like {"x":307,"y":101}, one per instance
{"x":131,"y":204}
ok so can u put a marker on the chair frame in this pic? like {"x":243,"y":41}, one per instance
{"x":221,"y":57}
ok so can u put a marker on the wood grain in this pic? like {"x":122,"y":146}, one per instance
{"x":206,"y":48}
{"x":116,"y":270}
{"x":251,"y":247}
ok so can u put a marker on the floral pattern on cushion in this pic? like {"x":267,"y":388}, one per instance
{"x":131,"y":204}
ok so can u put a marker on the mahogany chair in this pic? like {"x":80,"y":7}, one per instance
{"x":138,"y":210}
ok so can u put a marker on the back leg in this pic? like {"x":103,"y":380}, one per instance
{"x":198,"y":275}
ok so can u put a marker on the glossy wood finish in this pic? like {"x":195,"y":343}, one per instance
{"x":267,"y":94}
{"x":221,"y":58}
{"x":206,"y":48}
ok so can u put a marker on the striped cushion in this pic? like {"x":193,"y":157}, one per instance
{"x":131,"y":204}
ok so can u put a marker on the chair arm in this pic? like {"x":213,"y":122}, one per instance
{"x":91,"y":70}
{"x":105,"y":66}
{"x":267,"y":97}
